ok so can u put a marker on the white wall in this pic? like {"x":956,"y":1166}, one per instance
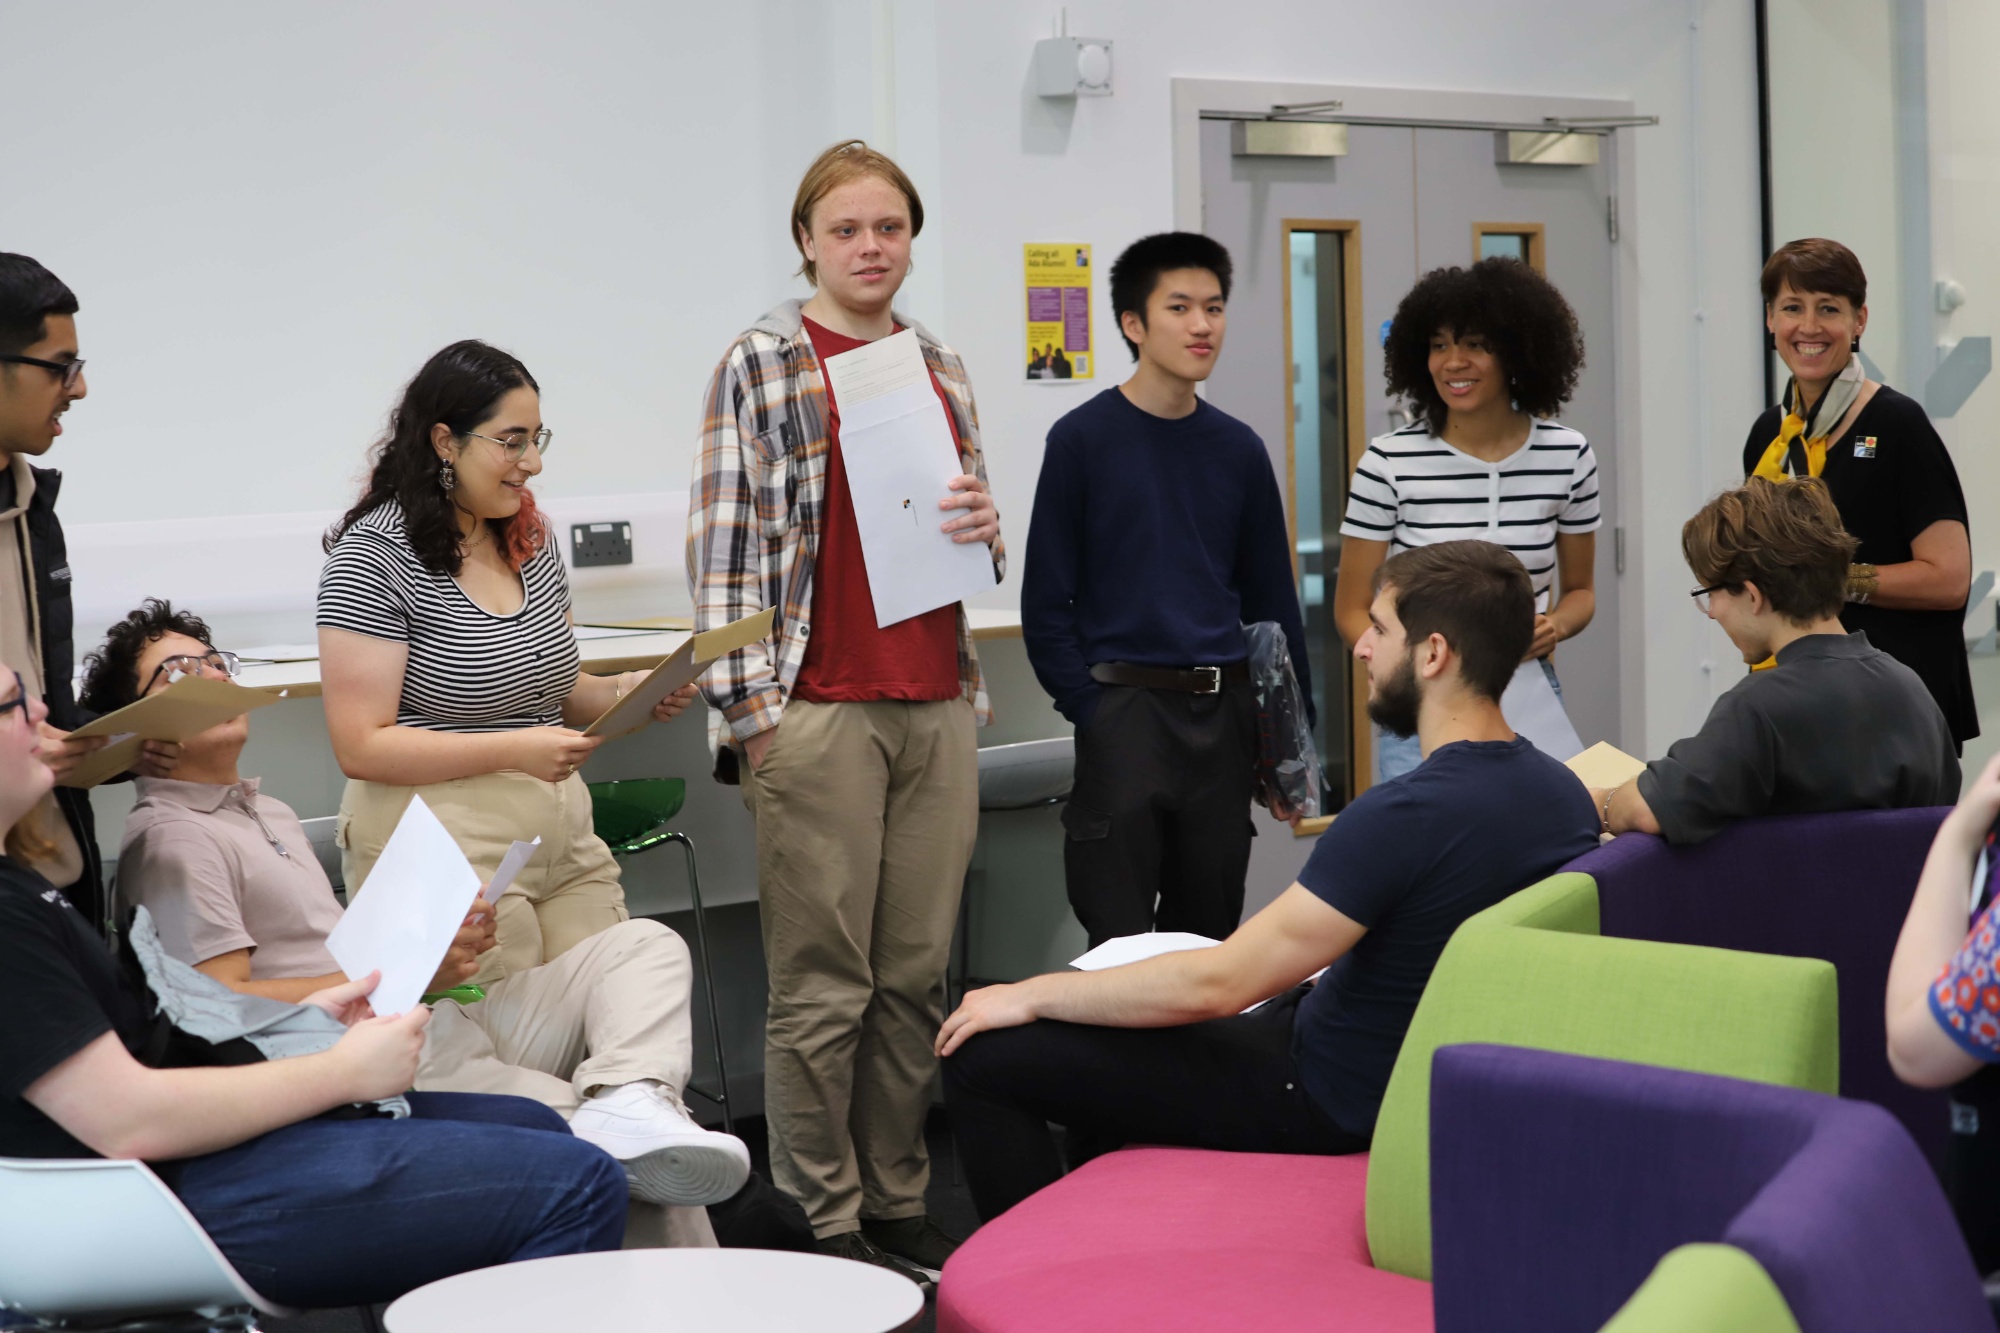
{"x":274,"y":213}
{"x":1965,"y":194}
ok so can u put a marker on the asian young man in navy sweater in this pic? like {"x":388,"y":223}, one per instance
{"x":1158,"y":533}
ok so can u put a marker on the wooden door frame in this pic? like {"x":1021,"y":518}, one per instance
{"x":1360,"y":739}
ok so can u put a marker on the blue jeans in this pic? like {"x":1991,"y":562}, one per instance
{"x":1397,"y":755}
{"x":356,"y":1212}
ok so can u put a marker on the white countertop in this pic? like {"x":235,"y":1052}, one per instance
{"x":601,"y":656}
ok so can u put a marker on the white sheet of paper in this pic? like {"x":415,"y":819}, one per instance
{"x":510,"y":866}
{"x":1138,"y":948}
{"x":897,"y":471}
{"x":403,"y":923}
{"x":897,"y":445}
{"x":884,"y":369}
{"x":1531,"y":708}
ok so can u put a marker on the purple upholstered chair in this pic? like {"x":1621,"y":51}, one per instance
{"x":1809,"y":886}
{"x":1558,"y":1182}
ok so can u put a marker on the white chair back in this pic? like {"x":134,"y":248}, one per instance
{"x":321,"y":832}
{"x":1026,"y":774}
{"x":94,"y":1237}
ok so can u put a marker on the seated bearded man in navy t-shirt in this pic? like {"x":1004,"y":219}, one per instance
{"x":1160,"y":1051}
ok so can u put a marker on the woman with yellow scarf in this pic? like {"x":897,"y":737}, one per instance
{"x":1889,"y":473}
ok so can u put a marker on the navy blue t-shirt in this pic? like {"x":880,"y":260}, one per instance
{"x":1154,"y":541}
{"x":1410,"y":859}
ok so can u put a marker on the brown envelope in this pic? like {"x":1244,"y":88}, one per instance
{"x":1604,"y":766}
{"x":186,"y":708}
{"x":695,"y":656}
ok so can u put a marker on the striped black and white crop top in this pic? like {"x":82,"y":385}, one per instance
{"x":1412,"y":489}
{"x":469,"y":670}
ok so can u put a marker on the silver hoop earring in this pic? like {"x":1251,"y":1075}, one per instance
{"x":447,"y":478}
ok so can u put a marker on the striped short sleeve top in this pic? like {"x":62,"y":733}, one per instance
{"x":1412,"y":489}
{"x":469,"y":670}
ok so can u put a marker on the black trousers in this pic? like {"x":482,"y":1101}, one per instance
{"x":1229,"y":1084}
{"x":1160,"y":811}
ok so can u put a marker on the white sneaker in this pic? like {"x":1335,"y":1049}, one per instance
{"x":668,"y":1158}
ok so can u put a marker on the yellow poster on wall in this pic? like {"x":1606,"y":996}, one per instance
{"x":1058,"y":282}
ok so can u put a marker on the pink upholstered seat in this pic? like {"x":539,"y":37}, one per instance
{"x":1166,"y":1239}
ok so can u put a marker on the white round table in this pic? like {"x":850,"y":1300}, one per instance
{"x":723,"y":1291}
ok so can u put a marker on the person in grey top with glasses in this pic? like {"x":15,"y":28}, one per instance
{"x":1836,"y":724}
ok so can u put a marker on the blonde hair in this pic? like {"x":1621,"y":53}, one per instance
{"x":848,"y":160}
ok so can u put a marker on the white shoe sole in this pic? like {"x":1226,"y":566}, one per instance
{"x":687,"y":1175}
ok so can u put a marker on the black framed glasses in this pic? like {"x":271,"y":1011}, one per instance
{"x":1700,"y":595}
{"x":20,"y":699}
{"x":71,"y":371}
{"x":517,"y":445}
{"x":182,"y":665}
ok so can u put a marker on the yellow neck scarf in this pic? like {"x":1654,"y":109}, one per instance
{"x":1796,"y":444}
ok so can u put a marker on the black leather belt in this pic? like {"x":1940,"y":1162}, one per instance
{"x":1186,"y":680}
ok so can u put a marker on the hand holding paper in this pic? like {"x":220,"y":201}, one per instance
{"x":981,"y":521}
{"x":186,"y":708}
{"x":901,"y":459}
{"x":414,"y":902}
{"x":697,"y":655}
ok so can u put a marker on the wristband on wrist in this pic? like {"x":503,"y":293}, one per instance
{"x":1604,"y":812}
{"x":1862,"y":583}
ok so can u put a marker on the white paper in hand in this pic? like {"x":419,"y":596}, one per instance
{"x":1531,"y":708}
{"x":510,"y":866}
{"x":897,"y":447}
{"x":402,"y":925}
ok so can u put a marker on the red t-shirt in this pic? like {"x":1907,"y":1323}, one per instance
{"x":849,"y":660}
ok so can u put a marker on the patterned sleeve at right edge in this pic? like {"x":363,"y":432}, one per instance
{"x":1965,"y":998}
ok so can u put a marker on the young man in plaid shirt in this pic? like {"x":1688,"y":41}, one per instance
{"x":854,"y":743}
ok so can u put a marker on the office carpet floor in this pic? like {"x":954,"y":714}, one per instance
{"x":950,"y":1204}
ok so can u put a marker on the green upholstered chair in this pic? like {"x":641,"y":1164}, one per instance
{"x":632,"y":817}
{"x":1705,"y":1289}
{"x":1532,"y":971}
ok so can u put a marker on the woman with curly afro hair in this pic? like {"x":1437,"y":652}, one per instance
{"x":1487,"y":356}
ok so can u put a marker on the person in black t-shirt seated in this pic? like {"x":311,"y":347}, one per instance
{"x":312,"y":1211}
{"x":1837,"y":724}
{"x":1889,"y":474}
{"x":1160,"y":1052}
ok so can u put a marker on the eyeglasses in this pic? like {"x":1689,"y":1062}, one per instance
{"x":517,"y":445}
{"x":1700,"y":595}
{"x":20,"y":699}
{"x":183,"y":665}
{"x":71,"y":371}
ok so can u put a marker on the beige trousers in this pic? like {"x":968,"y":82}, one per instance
{"x":866,"y":815}
{"x":568,"y":891}
{"x":577,"y":996}
{"x":611,"y":1011}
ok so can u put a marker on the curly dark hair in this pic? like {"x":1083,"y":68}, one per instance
{"x":460,"y":386}
{"x":111,"y":672}
{"x":1521,"y":315}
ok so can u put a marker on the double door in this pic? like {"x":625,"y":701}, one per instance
{"x":1324,"y":249}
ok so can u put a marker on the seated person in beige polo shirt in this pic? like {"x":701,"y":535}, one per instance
{"x":600,"y":1034}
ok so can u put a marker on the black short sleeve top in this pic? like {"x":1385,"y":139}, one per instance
{"x":1891,"y":477}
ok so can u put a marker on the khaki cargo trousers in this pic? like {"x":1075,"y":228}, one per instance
{"x":865,"y":815}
